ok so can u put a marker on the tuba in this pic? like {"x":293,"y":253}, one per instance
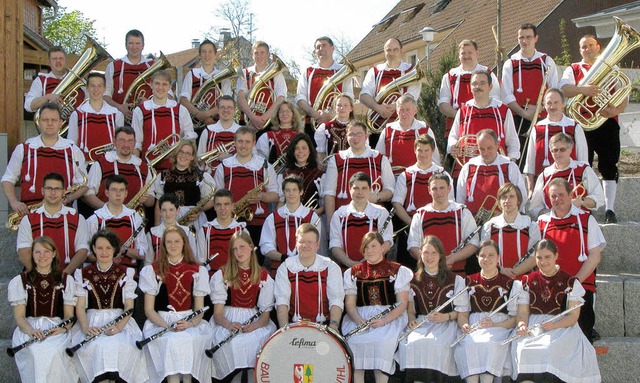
{"x":614,"y":85}
{"x":69,"y":88}
{"x":388,"y":95}
{"x":204,"y":99}
{"x":137,"y":89}
{"x":329,"y":91}
{"x":260,"y":94}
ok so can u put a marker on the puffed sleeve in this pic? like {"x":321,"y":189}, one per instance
{"x":403,"y":278}
{"x":16,"y":292}
{"x":129,"y":289}
{"x":335,"y":290}
{"x":516,"y":289}
{"x":201,"y":283}
{"x":81,"y":287}
{"x":69,"y":292}
{"x":350,"y":287}
{"x":218,"y":289}
{"x":266,"y":297}
{"x":149,"y":283}
{"x":576,"y":293}
{"x":461,"y":303}
{"x":282,"y":289}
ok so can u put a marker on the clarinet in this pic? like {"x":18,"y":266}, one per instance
{"x":366,"y":324}
{"x":436,"y":310}
{"x":392,"y":212}
{"x":209,"y":352}
{"x":208,"y":261}
{"x":528,"y":254}
{"x":133,"y":237}
{"x":537,"y":329}
{"x":141,"y":343}
{"x":466,"y":240}
{"x":476,"y":325}
{"x":11,"y":351}
{"x":72,"y":350}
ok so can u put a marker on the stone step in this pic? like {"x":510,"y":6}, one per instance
{"x":616,"y":357}
{"x":8,"y":368}
{"x":627,"y":205}
{"x":622,"y":254}
{"x":617,"y":306}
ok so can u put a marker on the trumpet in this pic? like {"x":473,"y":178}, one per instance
{"x":537,"y":329}
{"x":279,"y":163}
{"x":213,"y":154}
{"x":241,"y":208}
{"x":162,"y":149}
{"x":13,"y":220}
{"x":376,"y":187}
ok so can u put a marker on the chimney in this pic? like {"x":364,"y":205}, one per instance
{"x":195,"y":43}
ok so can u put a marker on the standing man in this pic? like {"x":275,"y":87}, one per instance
{"x":309,"y":286}
{"x":94,"y":123}
{"x":580,"y":242}
{"x":455,"y":88}
{"x":397,"y":139}
{"x":259,"y":111}
{"x":358,"y":158}
{"x":43,"y":85}
{"x":221,"y":133}
{"x":39,"y":156}
{"x":604,"y":139}
{"x":64,"y":225}
{"x":381,"y":75}
{"x":122,"y":72}
{"x":522,"y":77}
{"x":351,"y":222}
{"x":311,"y":81}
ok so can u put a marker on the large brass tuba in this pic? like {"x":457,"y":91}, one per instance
{"x":614,"y":85}
{"x":258,"y":101}
{"x":388,"y":95}
{"x":204,"y":99}
{"x":137,"y":89}
{"x":69,"y":88}
{"x":329,"y":91}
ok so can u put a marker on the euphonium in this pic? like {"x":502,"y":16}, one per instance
{"x":204,"y":99}
{"x":329,"y":91}
{"x":137,"y":89}
{"x":614,"y":85}
{"x":388,"y":95}
{"x":241,"y":208}
{"x":162,"y":149}
{"x":69,"y":88}
{"x":13,"y":220}
{"x":260,"y":96}
{"x":214,"y":154}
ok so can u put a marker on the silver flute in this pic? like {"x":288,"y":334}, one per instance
{"x":536,"y":329}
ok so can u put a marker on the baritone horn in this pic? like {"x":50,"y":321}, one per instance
{"x":208,"y":94}
{"x":138,"y":89}
{"x":69,"y":88}
{"x":330,"y":89}
{"x":162,"y":149}
{"x":614,"y":85}
{"x":261,"y":95}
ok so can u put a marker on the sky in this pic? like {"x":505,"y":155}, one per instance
{"x":288,"y":25}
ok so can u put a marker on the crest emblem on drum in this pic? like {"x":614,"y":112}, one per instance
{"x":303,"y":373}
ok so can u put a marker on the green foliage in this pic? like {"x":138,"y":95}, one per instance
{"x":68,"y":29}
{"x":635,"y":94}
{"x":428,"y":102}
{"x":565,"y":53}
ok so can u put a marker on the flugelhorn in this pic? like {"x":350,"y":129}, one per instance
{"x":69,"y":88}
{"x":330,"y":89}
{"x":614,"y":85}
{"x":261,"y":95}
{"x":205,"y":98}
{"x":137,"y":90}
{"x":162,"y":149}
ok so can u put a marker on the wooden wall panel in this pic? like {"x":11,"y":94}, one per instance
{"x":11,"y":97}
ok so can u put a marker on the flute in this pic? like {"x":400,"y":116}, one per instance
{"x":476,"y":325}
{"x":141,"y":343}
{"x":436,"y":310}
{"x":366,"y":324}
{"x":535,"y":329}
{"x":209,"y":352}
{"x":71,"y":350}
{"x":11,"y":351}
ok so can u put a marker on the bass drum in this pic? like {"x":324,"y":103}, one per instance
{"x":304,"y":352}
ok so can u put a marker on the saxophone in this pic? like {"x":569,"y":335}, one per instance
{"x":204,"y":99}
{"x":184,"y":221}
{"x":241,"y":208}
{"x":13,"y":220}
{"x":134,"y":203}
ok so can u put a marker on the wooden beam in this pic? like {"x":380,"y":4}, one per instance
{"x":12,"y":77}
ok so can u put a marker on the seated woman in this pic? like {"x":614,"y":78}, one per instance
{"x":426,"y":353}
{"x":52,"y":292}
{"x":238,"y":291}
{"x":559,"y":350}
{"x":480,"y":357}
{"x":371,"y":287}
{"x":174,"y":286}
{"x":104,"y":290}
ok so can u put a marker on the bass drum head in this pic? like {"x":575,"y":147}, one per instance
{"x":304,"y":352}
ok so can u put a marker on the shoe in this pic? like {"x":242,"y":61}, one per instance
{"x":610,"y":217}
{"x":595,"y":336}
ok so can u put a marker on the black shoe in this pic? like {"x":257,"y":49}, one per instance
{"x":610,"y":217}
{"x":595,"y":336}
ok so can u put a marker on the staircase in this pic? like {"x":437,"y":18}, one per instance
{"x":617,"y":300}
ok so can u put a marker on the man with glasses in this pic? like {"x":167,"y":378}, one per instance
{"x":586,"y":190}
{"x":64,"y":225}
{"x":309,"y":286}
{"x":220,"y":133}
{"x":358,"y":158}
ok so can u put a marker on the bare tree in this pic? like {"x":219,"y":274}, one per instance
{"x":238,"y":14}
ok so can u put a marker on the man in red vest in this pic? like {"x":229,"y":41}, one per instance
{"x":604,"y":139}
{"x":40,"y":91}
